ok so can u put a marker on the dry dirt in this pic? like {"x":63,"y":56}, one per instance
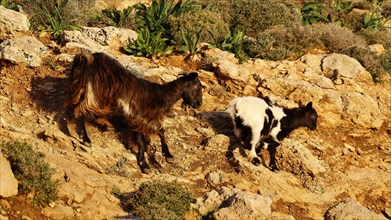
{"x":32,"y":104}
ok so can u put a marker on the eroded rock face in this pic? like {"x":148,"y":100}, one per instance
{"x":25,"y":49}
{"x":12,"y":23}
{"x":8,"y":183}
{"x":94,"y":39}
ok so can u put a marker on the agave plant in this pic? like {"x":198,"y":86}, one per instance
{"x":374,"y":19}
{"x":150,"y":45}
{"x":235,"y":42}
{"x":9,"y":4}
{"x":155,"y":16}
{"x":118,"y":17}
{"x":190,"y":42}
{"x":312,"y":13}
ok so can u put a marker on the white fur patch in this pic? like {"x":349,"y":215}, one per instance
{"x":125,"y":106}
{"x":90,"y":96}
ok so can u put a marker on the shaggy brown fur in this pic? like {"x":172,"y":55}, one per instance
{"x":102,"y":87}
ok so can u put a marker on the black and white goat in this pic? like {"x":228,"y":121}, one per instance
{"x":259,"y":123}
{"x":100,"y":87}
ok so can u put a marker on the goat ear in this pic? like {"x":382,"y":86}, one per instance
{"x":192,"y":75}
{"x":308,"y":106}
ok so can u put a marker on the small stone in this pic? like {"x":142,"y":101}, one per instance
{"x":214,"y":177}
{"x":9,"y":184}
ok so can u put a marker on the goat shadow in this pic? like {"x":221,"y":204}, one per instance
{"x":221,"y":123}
{"x":49,"y":94}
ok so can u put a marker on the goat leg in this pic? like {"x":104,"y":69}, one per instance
{"x":272,"y":148}
{"x":165,"y":151}
{"x":141,"y":142}
{"x":253,"y":157}
{"x":81,"y":127}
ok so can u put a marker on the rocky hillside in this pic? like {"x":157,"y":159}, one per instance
{"x":340,"y":170}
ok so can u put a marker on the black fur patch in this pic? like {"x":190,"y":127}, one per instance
{"x":245,"y":134}
{"x":267,"y":123}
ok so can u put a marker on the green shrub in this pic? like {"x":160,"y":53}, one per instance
{"x":382,"y":37}
{"x":32,"y":172}
{"x":336,"y":38}
{"x":254,"y":16}
{"x":221,"y":7}
{"x":377,"y":65}
{"x":280,"y":43}
{"x":10,"y":4}
{"x":150,"y":45}
{"x":160,"y":200}
{"x":204,"y":20}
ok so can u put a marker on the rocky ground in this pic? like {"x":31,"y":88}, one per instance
{"x":341,"y":170}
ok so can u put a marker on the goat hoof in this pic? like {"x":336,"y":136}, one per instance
{"x":274,"y":169}
{"x":256,"y":161}
{"x":170,"y":159}
{"x":145,"y":168}
{"x":87,"y":144}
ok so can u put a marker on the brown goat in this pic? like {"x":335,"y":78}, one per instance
{"x":101,"y":87}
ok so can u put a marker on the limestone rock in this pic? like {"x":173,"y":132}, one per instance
{"x":351,"y":209}
{"x":76,"y":39}
{"x":305,"y":161}
{"x":8,"y":183}
{"x":59,"y":212}
{"x":93,"y":39}
{"x":12,"y":23}
{"x":231,"y":203}
{"x":335,"y":65}
{"x":244,"y":205}
{"x":25,"y":49}
{"x":110,"y":36}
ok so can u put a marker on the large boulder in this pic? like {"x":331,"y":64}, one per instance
{"x":25,"y":49}
{"x":8,"y":183}
{"x":12,"y":23}
{"x":351,"y":209}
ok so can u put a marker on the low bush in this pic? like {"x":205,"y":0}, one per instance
{"x":32,"y":172}
{"x":57,"y":16}
{"x":204,"y":20}
{"x":280,"y":43}
{"x":377,"y":65}
{"x":160,"y":200}
{"x":254,"y":16}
